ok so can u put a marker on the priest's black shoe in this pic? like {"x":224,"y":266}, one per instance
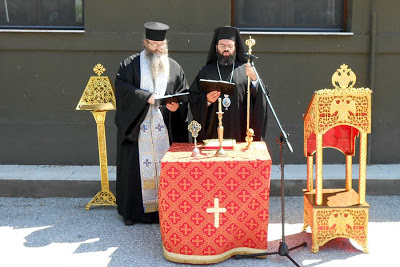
{"x":129,"y":222}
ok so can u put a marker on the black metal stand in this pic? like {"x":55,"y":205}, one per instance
{"x":281,"y":140}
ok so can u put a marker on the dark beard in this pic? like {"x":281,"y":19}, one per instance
{"x":226,"y":60}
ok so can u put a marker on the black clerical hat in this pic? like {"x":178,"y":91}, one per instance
{"x":231,"y":33}
{"x":226,"y":33}
{"x":156,"y":31}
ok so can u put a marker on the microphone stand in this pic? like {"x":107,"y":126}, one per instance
{"x":281,"y":140}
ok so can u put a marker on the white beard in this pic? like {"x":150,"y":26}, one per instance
{"x":159,"y":64}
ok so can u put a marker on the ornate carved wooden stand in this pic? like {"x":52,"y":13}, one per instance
{"x":334,"y":118}
{"x":99,"y":98}
{"x":339,"y":215}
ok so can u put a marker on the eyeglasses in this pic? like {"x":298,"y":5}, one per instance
{"x":155,"y":46}
{"x":230,"y":46}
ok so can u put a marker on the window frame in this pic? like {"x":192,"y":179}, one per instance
{"x":73,"y":26}
{"x":295,"y":29}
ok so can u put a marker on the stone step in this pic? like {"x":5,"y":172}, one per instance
{"x":84,"y":181}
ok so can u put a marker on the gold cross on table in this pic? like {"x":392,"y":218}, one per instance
{"x":216,"y":210}
{"x":194,"y":127}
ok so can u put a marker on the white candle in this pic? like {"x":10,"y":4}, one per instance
{"x":219,"y":105}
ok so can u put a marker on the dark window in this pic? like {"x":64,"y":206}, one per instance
{"x":289,"y":15}
{"x":41,"y":14}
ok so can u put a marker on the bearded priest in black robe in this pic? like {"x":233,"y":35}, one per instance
{"x":226,"y":62}
{"x":145,"y":131}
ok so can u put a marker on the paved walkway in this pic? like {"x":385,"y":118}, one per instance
{"x":60,"y":232}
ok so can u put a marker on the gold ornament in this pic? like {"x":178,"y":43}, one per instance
{"x":99,"y":92}
{"x":249,"y":132}
{"x":344,"y":78}
{"x":194,"y":128}
{"x":98,"y":97}
{"x":343,"y":218}
{"x":99,"y":69}
{"x":344,"y":108}
{"x":333,"y":213}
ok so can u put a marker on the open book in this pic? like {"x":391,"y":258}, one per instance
{"x":178,"y":98}
{"x":226,"y":88}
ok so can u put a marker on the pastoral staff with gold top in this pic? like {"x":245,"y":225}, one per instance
{"x":145,"y":131}
{"x":226,"y":62}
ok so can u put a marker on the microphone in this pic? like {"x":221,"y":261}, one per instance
{"x":250,"y":56}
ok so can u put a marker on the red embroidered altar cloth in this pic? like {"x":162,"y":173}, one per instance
{"x":212,"y":208}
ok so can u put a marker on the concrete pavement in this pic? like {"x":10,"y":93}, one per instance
{"x":60,"y":232}
{"x":54,"y":229}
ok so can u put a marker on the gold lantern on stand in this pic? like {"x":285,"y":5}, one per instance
{"x":99,"y":97}
{"x":334,"y":118}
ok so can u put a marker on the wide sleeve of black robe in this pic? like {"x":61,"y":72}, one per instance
{"x":132,"y":103}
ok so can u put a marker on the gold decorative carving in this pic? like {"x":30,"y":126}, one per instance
{"x":344,"y":78}
{"x":99,"y":92}
{"x":99,"y":69}
{"x":194,"y":128}
{"x":307,"y":213}
{"x":334,"y":107}
{"x":250,"y":43}
{"x":102,"y":198}
{"x":343,"y":107}
{"x":347,"y":216}
{"x":328,"y":223}
{"x":329,"y":108}
{"x":99,"y":97}
{"x":341,"y":221}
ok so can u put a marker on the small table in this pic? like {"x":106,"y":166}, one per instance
{"x":339,"y":215}
{"x":212,"y":208}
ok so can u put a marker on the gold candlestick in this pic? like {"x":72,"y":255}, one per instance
{"x":220,"y":130}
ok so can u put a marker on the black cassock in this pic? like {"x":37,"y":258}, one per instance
{"x":132,"y":108}
{"x":235,"y":118}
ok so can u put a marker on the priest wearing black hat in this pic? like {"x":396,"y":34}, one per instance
{"x":145,"y":131}
{"x":226,"y":62}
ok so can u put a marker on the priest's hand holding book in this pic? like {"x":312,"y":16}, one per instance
{"x":213,"y":96}
{"x":173,"y":106}
{"x":214,"y":89}
{"x":151,"y":100}
{"x":170,"y":101}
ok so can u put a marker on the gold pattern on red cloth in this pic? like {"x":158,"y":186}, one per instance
{"x":344,"y":109}
{"x":189,"y":187}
